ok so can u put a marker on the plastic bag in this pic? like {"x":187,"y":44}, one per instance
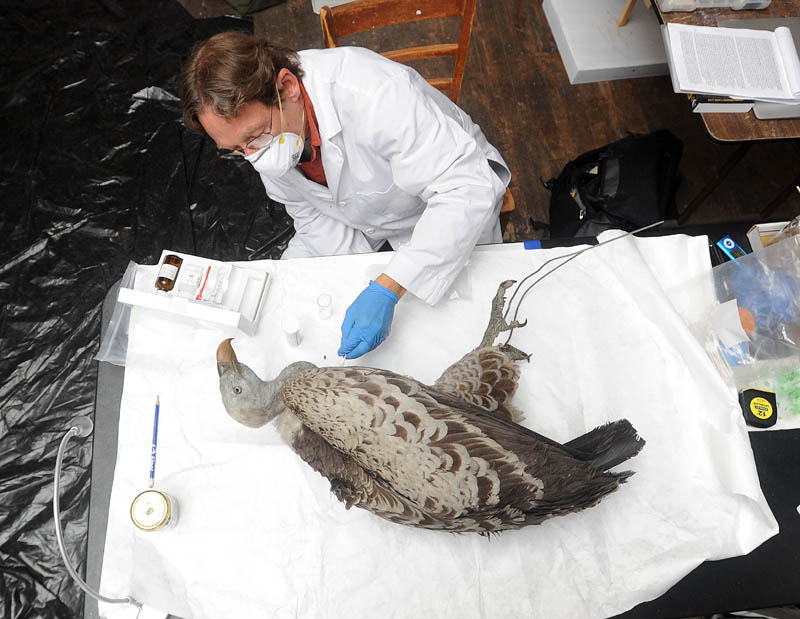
{"x":114,"y":346}
{"x":746,"y":314}
{"x":98,"y":170}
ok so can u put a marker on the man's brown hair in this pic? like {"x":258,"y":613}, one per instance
{"x":229,"y":70}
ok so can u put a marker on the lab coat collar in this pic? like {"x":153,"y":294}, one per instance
{"x":316,"y":80}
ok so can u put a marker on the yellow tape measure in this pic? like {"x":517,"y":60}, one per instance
{"x":760,"y":407}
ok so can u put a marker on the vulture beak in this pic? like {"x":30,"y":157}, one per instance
{"x":226,"y":358}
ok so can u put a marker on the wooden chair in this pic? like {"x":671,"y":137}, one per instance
{"x":362,"y":15}
{"x":627,"y":10}
{"x":506,"y":210}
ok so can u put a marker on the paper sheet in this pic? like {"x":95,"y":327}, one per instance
{"x":261,"y":535}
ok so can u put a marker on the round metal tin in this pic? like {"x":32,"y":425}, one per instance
{"x":153,"y":510}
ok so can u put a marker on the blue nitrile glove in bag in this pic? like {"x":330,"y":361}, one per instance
{"x":768,"y":294}
{"x":367,"y":321}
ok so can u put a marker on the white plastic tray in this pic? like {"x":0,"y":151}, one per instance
{"x":238,"y":303}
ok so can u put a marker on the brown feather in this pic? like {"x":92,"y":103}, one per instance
{"x":442,"y":458}
{"x":484,"y":377}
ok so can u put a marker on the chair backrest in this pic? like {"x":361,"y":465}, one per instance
{"x":363,"y":15}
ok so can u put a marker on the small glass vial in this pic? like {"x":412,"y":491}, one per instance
{"x":190,"y":283}
{"x":153,"y":510}
{"x":324,"y":306}
{"x":168,"y":272}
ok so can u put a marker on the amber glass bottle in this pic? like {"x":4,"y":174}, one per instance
{"x":168,"y":272}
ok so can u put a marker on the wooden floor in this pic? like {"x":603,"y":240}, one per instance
{"x":517,"y":90}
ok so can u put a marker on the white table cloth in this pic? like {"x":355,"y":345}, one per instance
{"x":260,"y":534}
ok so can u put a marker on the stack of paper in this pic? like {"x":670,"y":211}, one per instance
{"x":732,"y":62}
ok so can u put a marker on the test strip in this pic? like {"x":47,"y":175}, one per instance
{"x":203,"y":287}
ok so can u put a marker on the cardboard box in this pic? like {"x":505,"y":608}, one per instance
{"x":760,"y":234}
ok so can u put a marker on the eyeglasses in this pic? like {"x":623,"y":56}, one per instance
{"x":256,"y":143}
{"x":265,"y":138}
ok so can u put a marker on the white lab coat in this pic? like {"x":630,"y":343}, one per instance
{"x":403,"y":164}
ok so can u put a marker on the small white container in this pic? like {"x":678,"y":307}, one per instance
{"x":291,"y":328}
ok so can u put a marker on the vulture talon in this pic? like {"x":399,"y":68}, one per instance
{"x":514,"y":353}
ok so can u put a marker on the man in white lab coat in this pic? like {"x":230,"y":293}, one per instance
{"x":362,"y":151}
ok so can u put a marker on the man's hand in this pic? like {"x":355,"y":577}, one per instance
{"x":368,"y":320}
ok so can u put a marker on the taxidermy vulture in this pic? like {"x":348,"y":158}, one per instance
{"x":446,"y":456}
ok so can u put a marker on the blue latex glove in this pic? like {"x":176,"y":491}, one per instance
{"x":770,"y":295}
{"x":367,"y":321}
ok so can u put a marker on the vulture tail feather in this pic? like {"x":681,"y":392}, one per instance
{"x":609,"y":444}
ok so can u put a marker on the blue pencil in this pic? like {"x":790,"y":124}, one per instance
{"x":155,"y":443}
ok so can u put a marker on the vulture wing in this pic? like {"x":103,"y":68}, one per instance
{"x":353,"y":485}
{"x":485,"y":377}
{"x":433,"y":459}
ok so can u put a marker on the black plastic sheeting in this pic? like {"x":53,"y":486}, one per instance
{"x":91,"y":178}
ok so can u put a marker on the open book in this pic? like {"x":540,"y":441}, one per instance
{"x":746,"y":64}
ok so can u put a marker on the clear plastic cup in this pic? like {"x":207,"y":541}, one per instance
{"x":324,"y":303}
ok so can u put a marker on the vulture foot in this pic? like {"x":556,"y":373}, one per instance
{"x":515,"y":353}
{"x":497,"y":324}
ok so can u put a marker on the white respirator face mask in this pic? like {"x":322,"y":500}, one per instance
{"x":281,"y":153}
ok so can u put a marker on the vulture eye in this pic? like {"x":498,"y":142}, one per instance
{"x":237,"y":390}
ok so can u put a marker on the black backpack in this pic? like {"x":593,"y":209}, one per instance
{"x":626,"y":185}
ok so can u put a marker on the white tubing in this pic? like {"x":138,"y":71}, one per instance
{"x":76,"y":430}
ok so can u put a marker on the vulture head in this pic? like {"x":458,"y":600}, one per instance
{"x":245,"y":396}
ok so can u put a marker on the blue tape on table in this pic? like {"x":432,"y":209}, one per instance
{"x":535,"y":244}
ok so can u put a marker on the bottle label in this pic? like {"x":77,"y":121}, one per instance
{"x":168,"y":271}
